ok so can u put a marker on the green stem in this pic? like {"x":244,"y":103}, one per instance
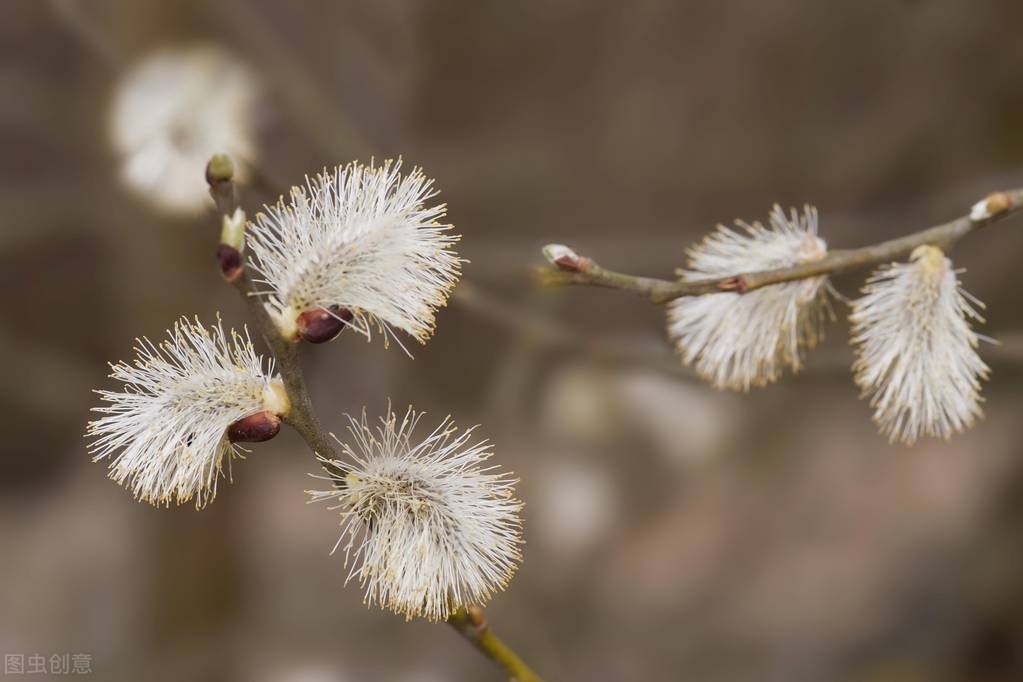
{"x":301,"y":416}
{"x":472,"y":624}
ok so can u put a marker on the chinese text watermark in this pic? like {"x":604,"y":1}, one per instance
{"x":38,"y":664}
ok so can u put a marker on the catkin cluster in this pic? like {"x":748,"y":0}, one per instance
{"x":428,"y":525}
{"x":916,"y":351}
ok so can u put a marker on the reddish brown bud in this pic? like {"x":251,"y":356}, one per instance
{"x":738,"y":284}
{"x":998,"y":202}
{"x":569,"y":263}
{"x":564,"y":258}
{"x":990,"y":206}
{"x":320,"y":326}
{"x":477,"y":617}
{"x":255,"y":428}
{"x":230,"y":260}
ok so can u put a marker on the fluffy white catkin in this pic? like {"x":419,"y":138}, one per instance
{"x":360,"y":239}
{"x":427,"y":525}
{"x":734,"y":340}
{"x":916,"y":353}
{"x":165,"y":431}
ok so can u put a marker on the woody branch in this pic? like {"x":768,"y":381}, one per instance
{"x":567,"y":267}
{"x":470,"y":623}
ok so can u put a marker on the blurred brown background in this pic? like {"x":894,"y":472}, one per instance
{"x":673,"y":532}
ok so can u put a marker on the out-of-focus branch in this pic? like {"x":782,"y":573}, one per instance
{"x":80,"y":20}
{"x":555,"y":334}
{"x":570,"y":268}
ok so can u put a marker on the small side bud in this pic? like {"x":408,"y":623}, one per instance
{"x":320,"y":326}
{"x":255,"y":428}
{"x":991,"y":205}
{"x":230,"y":260}
{"x":564,"y":258}
{"x":477,"y":617}
{"x":220,"y":176}
{"x":232,"y":229}
{"x":737,"y":284}
{"x":219,"y":169}
{"x":232,"y":243}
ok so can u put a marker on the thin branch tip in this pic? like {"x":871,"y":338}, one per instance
{"x":566,"y":267}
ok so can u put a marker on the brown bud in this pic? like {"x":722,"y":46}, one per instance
{"x":230,"y":260}
{"x":564,"y":258}
{"x":320,"y":326}
{"x":737,"y":283}
{"x":998,"y":202}
{"x":568,"y":263}
{"x":477,"y":617}
{"x":255,"y":428}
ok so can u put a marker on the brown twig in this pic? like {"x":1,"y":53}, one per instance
{"x":470,"y":624}
{"x":554,"y":333}
{"x":569,"y":268}
{"x":219,"y":176}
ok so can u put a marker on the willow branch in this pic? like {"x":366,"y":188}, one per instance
{"x":219,"y":175}
{"x":570,"y":268}
{"x":472,"y":624}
